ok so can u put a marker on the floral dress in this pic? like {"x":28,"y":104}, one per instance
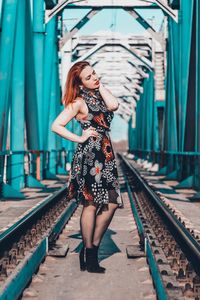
{"x":93,"y":175}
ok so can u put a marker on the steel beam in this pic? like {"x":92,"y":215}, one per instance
{"x":50,"y":3}
{"x":146,"y":125}
{"x":156,"y":35}
{"x":1,"y":12}
{"x":142,"y":73}
{"x":111,"y":6}
{"x":17,"y":128}
{"x":197,"y":129}
{"x":167,"y":9}
{"x":38,"y":44}
{"x":138,"y":87}
{"x":6,"y":62}
{"x":56,"y":10}
{"x":31,"y":110}
{"x":78,"y":26}
{"x":185,"y":45}
{"x":52,"y":138}
{"x":50,"y":44}
{"x":97,"y":4}
{"x":146,"y":62}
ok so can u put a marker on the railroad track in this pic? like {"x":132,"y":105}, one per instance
{"x":172,"y":248}
{"x":24,"y":245}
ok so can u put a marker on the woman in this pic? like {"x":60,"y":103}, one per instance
{"x":94,"y":177}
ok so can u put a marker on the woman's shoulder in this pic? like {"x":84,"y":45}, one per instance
{"x":77,"y":102}
{"x":75,"y":105}
{"x":78,"y":99}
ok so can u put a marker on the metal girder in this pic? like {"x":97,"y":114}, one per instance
{"x":154,"y":4}
{"x":156,"y":35}
{"x":175,"y":4}
{"x":131,"y":76}
{"x":130,"y":99}
{"x":49,"y":66}
{"x":9,"y":17}
{"x":146,"y":62}
{"x":79,"y":25}
{"x":124,"y":114}
{"x":135,"y":69}
{"x":143,"y":74}
{"x":138,"y":87}
{"x":124,"y":105}
{"x":31,"y":108}
{"x":134,"y":92}
{"x":53,"y":109}
{"x":98,"y":4}
{"x":115,"y":81}
{"x":114,"y":3}
{"x":130,"y":79}
{"x":17,"y":115}
{"x":134,"y":41}
{"x":117,"y":86}
{"x":115,"y":77}
{"x":135,"y":88}
{"x":1,"y":13}
{"x":50,"y":3}
{"x":127,"y":88}
{"x":167,"y":9}
{"x":124,"y":110}
{"x":38,"y":44}
{"x":57,"y":9}
{"x":136,"y":97}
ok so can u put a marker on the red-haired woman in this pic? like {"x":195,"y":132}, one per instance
{"x":94,"y":177}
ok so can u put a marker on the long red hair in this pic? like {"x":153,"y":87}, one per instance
{"x":73,"y":82}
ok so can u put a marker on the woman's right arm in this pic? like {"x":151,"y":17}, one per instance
{"x":70,"y":111}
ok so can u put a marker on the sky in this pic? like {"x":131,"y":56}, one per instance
{"x":115,"y":20}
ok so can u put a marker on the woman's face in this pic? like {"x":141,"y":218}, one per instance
{"x":89,"y":78}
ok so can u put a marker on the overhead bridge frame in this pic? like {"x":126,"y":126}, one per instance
{"x":146,"y":62}
{"x":152,"y":4}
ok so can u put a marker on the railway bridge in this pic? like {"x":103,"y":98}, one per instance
{"x":147,"y":54}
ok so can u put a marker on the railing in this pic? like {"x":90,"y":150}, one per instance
{"x":181,"y":166}
{"x":20,"y":169}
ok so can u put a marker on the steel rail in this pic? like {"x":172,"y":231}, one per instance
{"x":188,"y":242}
{"x":13,"y":233}
{"x":16,"y":281}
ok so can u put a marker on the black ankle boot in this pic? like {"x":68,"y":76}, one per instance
{"x":96,"y":249}
{"x":82,"y":259}
{"x":91,"y":263}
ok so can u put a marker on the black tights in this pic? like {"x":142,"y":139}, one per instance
{"x":93,"y":226}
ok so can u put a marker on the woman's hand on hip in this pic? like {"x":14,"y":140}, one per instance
{"x":91,"y":131}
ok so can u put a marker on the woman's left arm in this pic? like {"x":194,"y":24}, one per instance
{"x":110,"y":100}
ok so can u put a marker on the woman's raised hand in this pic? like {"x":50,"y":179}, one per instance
{"x":91,"y":131}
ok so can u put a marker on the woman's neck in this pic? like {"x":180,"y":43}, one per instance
{"x":88,"y":91}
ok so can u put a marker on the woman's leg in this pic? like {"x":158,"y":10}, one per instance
{"x":102,"y":222}
{"x":87,"y":225}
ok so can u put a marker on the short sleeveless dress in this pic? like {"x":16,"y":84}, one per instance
{"x":93,"y":176}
